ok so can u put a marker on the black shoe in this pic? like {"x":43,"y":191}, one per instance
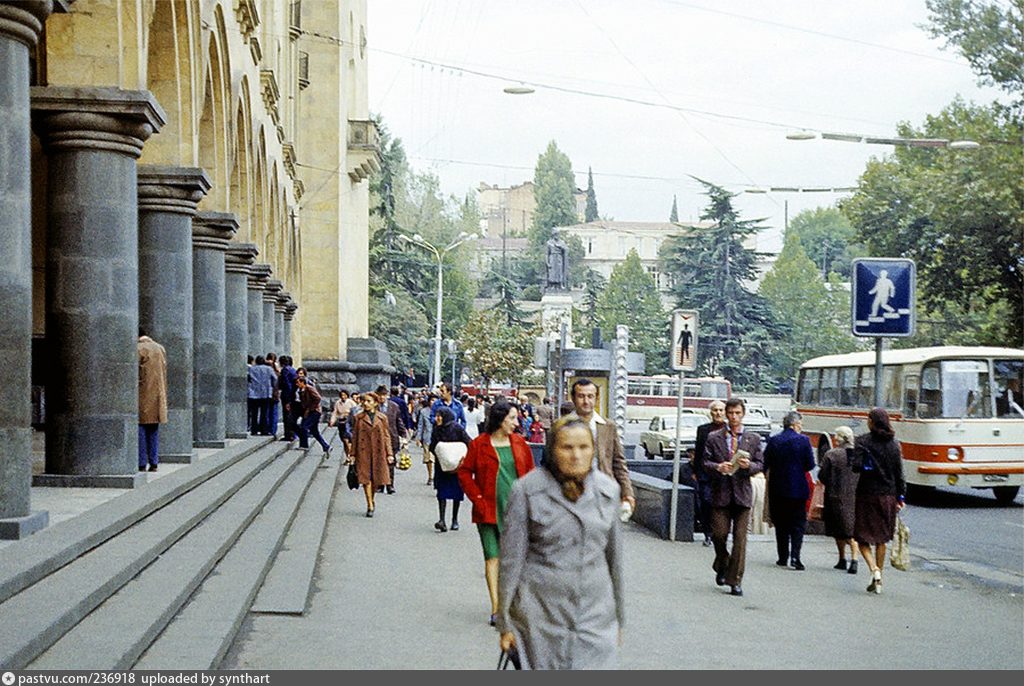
{"x":852,"y":568}
{"x":707,"y":541}
{"x":736,"y":590}
{"x":720,"y":578}
{"x":842,"y":564}
{"x":391,"y":490}
{"x":797,"y":565}
{"x":455,"y":526}
{"x":439,"y":525}
{"x":142,"y":469}
{"x":369,"y":513}
{"x":781,"y":563}
{"x":152,"y":467}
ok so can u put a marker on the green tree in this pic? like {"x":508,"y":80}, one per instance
{"x":711,"y":265}
{"x":591,"y":212}
{"x":402,"y":327}
{"x":828,"y":239}
{"x":958,"y":214}
{"x":631,"y":298}
{"x":673,"y":216}
{"x":589,"y":318}
{"x":988,"y":35}
{"x":554,"y":189}
{"x":806,"y":308}
{"x":494,"y":350}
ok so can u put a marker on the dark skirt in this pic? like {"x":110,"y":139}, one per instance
{"x":839,"y":517}
{"x":875,"y":518}
{"x":447,"y":485}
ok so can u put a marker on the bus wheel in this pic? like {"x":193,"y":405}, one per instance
{"x":919,"y":492}
{"x":1005,"y":494}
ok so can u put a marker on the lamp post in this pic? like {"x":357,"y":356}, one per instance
{"x":439,"y":254}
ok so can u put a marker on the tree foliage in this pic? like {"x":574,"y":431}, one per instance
{"x":737,"y":334}
{"x":495,"y":351}
{"x":673,"y":215}
{"x":828,"y":239}
{"x":813,"y":316}
{"x":958,"y":214}
{"x":591,"y":214}
{"x":631,"y":298}
{"x":554,"y":189}
{"x":989,"y":36}
{"x":402,"y":327}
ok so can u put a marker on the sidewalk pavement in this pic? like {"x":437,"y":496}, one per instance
{"x":392,"y":593}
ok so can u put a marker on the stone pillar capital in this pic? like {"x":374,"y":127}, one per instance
{"x":171,"y":189}
{"x":213,"y":230}
{"x":283,"y":298}
{"x":289,"y":310}
{"x":95,"y":118}
{"x":271,"y":290}
{"x":24,"y":22}
{"x":240,"y":258}
{"x":259,"y":274}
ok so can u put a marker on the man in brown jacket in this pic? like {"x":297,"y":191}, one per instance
{"x":152,"y":399}
{"x":609,"y":456}
{"x":309,"y":424}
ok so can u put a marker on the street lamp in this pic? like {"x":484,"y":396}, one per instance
{"x":806,"y":135}
{"x":439,"y":254}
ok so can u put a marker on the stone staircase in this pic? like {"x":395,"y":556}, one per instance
{"x":162,"y":576}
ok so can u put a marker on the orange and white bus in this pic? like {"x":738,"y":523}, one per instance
{"x":648,"y":396}
{"x":958,"y":412}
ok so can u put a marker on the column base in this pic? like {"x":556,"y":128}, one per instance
{"x":243,"y":434}
{"x":209,"y":444}
{"x":89,"y":480}
{"x":16,"y":528}
{"x":178,"y":459}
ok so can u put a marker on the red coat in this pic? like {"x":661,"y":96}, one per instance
{"x":478,"y":474}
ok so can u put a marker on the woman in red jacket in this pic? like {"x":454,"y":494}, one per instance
{"x":496,"y":458}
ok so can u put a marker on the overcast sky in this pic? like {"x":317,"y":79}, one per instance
{"x":730,"y":77}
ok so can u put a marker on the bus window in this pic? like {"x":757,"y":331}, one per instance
{"x":807,"y":390}
{"x":848,"y":386}
{"x":866,"y":388}
{"x":1008,"y":383}
{"x":965,"y":389}
{"x":910,"y":384}
{"x":891,"y":387}
{"x":931,"y":393}
{"x":829,"y":387}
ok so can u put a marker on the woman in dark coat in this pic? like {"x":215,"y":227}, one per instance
{"x":840,"y":495}
{"x":447,"y":430}
{"x":880,"y":491}
{"x":371,"y":449}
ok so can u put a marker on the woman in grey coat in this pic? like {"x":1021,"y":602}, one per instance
{"x":560,"y":584}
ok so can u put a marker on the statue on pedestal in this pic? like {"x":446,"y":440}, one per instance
{"x":557,"y":278}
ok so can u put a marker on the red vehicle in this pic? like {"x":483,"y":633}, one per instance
{"x":648,"y":396}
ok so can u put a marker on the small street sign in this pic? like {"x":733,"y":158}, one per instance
{"x":684,"y":340}
{"x":883,"y":297}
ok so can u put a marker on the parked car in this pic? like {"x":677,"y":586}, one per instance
{"x":758,"y":421}
{"x":660,"y":437}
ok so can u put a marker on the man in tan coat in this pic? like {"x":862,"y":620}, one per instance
{"x":152,"y":399}
{"x":609,"y":455}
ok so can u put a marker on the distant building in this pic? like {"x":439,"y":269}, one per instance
{"x":511,"y":209}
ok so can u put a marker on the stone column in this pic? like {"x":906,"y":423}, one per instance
{"x":236,"y":344}
{"x":92,"y":137}
{"x":167,"y":202}
{"x":211,"y":232}
{"x":258,"y":275}
{"x":289,"y":315}
{"x":19,"y":29}
{"x":270,"y":293}
{"x":283,"y":298}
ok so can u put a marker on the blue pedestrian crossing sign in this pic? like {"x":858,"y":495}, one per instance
{"x":883,"y":297}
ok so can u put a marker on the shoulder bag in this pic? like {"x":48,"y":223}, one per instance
{"x":899,"y":557}
{"x":449,"y":454}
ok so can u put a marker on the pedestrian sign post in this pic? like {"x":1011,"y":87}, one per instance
{"x":882,"y":305}
{"x":684,"y":340}
{"x":883,"y":297}
{"x":683,"y":353}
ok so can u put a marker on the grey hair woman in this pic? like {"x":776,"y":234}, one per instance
{"x":840,"y":482}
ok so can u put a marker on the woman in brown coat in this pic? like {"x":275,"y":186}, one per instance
{"x":840,"y":496}
{"x":371,"y":449}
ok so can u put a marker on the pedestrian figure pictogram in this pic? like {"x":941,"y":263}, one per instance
{"x":883,"y":297}
{"x":684,"y":340}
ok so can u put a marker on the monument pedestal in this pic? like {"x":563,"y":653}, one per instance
{"x":556,"y":307}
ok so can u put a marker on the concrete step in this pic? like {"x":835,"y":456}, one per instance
{"x":201,"y":633}
{"x":36,"y":617}
{"x":29,"y":560}
{"x":289,"y":583}
{"x":119,"y":630}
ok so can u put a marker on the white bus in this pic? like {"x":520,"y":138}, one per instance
{"x":958,"y":412}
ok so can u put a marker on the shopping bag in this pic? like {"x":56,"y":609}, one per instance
{"x":817,"y":510}
{"x":899,"y":556}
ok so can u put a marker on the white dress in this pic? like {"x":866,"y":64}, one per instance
{"x":473,"y":418}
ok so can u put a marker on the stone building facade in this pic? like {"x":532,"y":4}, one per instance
{"x":195,"y":167}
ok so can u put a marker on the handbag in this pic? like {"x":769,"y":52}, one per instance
{"x":449,"y":454}
{"x":817,"y":502}
{"x":899,"y":556}
{"x":352,"y":477}
{"x":508,"y":657}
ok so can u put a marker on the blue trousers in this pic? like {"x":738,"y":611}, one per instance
{"x":149,"y":444}
{"x":310,"y":426}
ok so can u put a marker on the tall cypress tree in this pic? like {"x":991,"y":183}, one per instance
{"x":591,"y":211}
{"x":673,"y":216}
